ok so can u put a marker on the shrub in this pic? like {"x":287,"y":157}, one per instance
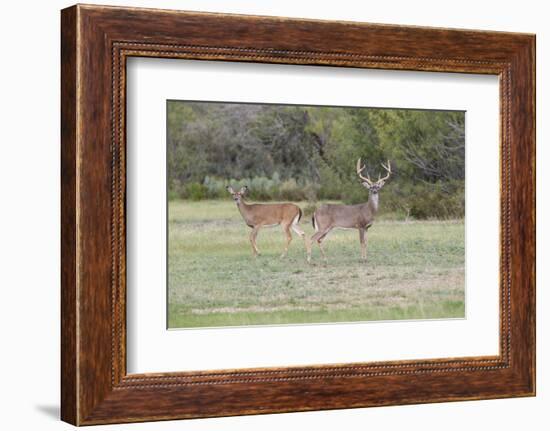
{"x":194,"y":191}
{"x":262,"y":188}
{"x":398,"y":199}
{"x":309,"y":209}
{"x":426,"y":200}
{"x":355,"y":193}
{"x":215,"y":188}
{"x":291,"y":191}
{"x":175,"y":190}
{"x":330,"y":186}
{"x":311,"y":192}
{"x":172,"y":194}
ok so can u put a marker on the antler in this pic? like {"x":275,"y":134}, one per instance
{"x":359,"y":170}
{"x":388,"y":169}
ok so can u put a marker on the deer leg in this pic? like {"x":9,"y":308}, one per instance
{"x":253,"y":236}
{"x":288,"y":236}
{"x":320,"y":242}
{"x":300,"y":232}
{"x":318,"y":237}
{"x":363,"y":240}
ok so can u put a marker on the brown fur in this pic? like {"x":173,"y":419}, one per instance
{"x":257,"y":216}
{"x":360,"y":217}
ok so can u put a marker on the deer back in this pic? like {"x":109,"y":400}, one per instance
{"x":344,"y":216}
{"x":270,"y":214}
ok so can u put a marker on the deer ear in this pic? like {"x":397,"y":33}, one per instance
{"x":230,"y":189}
{"x":244,"y":189}
{"x":365,"y":184}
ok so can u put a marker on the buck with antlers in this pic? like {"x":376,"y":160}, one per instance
{"x":330,"y":216}
{"x":257,"y":216}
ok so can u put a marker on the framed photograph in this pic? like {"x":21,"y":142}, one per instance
{"x":302,"y":164}
{"x":265,"y":215}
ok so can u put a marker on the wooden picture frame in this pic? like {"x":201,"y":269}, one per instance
{"x":95,"y":43}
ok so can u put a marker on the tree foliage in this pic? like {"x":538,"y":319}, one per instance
{"x":305,"y":152}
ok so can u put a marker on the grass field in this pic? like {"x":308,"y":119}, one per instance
{"x":415,"y":270}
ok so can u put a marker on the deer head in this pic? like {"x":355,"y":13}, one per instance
{"x":237,"y":196}
{"x":373,"y":186}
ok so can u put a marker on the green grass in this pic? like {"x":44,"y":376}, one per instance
{"x":415,"y":270}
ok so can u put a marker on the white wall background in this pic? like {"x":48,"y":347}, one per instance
{"x":29,"y":216}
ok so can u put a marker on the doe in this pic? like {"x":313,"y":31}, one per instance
{"x":257,"y":216}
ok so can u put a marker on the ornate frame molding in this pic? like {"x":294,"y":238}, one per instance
{"x":96,"y":41}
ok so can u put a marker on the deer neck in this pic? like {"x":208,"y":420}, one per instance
{"x":244,"y":209}
{"x":372,"y":203}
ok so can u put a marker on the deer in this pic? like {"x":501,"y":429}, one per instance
{"x":361,"y":217}
{"x":257,"y":216}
